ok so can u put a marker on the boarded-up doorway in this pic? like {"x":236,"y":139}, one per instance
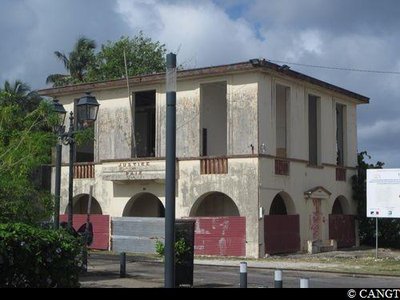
{"x":342,"y":225}
{"x":219,"y":229}
{"x":281,"y":230}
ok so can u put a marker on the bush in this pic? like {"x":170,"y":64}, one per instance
{"x":31,"y":257}
{"x":181,"y":250}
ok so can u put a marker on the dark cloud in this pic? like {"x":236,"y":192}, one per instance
{"x":379,"y":17}
{"x":33,"y":29}
{"x":359,"y":34}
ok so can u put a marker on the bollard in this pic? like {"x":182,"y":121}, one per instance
{"x":243,"y":275}
{"x":278,"y":284}
{"x":84,"y":259}
{"x":122,"y":265}
{"x":304,"y":283}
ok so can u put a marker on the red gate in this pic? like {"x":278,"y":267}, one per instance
{"x":281,"y":233}
{"x":222,"y":236}
{"x":101,"y":229}
{"x":342,"y":229}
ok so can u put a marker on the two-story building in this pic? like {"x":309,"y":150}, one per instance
{"x":269,"y":149}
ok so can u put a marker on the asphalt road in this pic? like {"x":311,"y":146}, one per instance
{"x":103,"y":271}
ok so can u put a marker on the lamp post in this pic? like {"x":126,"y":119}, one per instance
{"x":170,"y":180}
{"x":87,"y":109}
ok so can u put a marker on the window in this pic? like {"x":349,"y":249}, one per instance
{"x":85,"y":151}
{"x":145,"y":124}
{"x":213,"y":119}
{"x":313,"y":130}
{"x":282,"y":97}
{"x":340,"y":124}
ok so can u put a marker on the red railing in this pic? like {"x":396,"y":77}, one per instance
{"x":213,"y":166}
{"x":84,"y":171}
{"x":281,"y":167}
{"x":340,"y":174}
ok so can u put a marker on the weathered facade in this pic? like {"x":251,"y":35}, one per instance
{"x":254,"y":140}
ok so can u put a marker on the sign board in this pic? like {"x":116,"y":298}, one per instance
{"x":383,"y":193}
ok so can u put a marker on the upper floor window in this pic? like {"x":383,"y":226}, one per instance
{"x":145,"y":124}
{"x":314,"y":130}
{"x":85,"y":151}
{"x":282,"y":98}
{"x":340,"y":134}
{"x":213,"y":119}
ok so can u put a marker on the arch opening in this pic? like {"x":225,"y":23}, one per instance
{"x":282,"y":204}
{"x":145,"y":205}
{"x":341,"y":206}
{"x":80,"y":206}
{"x":215,"y":204}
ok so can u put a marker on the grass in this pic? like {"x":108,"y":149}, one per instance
{"x":349,"y":262}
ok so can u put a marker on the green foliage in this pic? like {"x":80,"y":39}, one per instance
{"x":389,"y":229}
{"x":19,"y":93}
{"x":25,"y":144}
{"x":143,"y":56}
{"x":76,"y":63}
{"x":32,"y":257}
{"x":85,"y":135}
{"x":182,"y":249}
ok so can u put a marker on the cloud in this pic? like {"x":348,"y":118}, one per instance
{"x":32,"y":30}
{"x":202,"y":31}
{"x":340,"y":33}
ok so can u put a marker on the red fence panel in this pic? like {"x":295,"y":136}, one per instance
{"x":281,"y":233}
{"x":222,"y":236}
{"x":101,"y":229}
{"x":342,"y":229}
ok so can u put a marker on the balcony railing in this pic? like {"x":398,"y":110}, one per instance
{"x":210,"y":166}
{"x":340,"y":174}
{"x":84,"y":171}
{"x":282,"y":167}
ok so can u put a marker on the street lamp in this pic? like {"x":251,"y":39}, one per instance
{"x":87,"y":109}
{"x":170,"y":173}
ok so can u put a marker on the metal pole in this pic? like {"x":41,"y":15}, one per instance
{"x":304,"y":283}
{"x":57,"y":187}
{"x":71,"y":170}
{"x":122,"y":265}
{"x":278,"y":284}
{"x":170,"y":173}
{"x":376,"y":239}
{"x":86,"y":233}
{"x":243,"y":275}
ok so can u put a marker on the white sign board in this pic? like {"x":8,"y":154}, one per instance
{"x":383,"y":193}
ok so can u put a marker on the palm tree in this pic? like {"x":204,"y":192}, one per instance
{"x":76,"y":63}
{"x":21,"y":94}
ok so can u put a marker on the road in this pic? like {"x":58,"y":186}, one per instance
{"x":103,"y":271}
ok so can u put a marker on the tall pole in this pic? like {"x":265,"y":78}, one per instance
{"x":170,"y":172}
{"x":71,"y":170}
{"x":376,"y":238}
{"x":57,"y":186}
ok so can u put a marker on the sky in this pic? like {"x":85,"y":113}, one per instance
{"x":356,"y":34}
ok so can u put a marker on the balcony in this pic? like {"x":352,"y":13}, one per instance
{"x":282,"y":167}
{"x":210,"y":166}
{"x":84,"y":171}
{"x":340,"y":174}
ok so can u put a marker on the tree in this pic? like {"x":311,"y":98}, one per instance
{"x":19,"y":93}
{"x":389,"y":229}
{"x":76,"y":63}
{"x":143,"y":56}
{"x":25,"y":144}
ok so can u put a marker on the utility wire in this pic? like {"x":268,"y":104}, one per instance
{"x":335,"y":68}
